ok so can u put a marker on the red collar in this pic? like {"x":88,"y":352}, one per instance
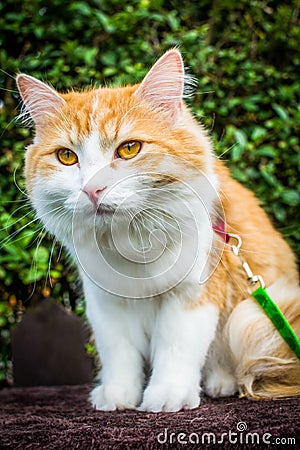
{"x":219,"y":228}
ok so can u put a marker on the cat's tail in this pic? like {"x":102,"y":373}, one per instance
{"x":265,"y":366}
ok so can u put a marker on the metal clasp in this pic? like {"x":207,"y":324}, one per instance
{"x":252,"y":279}
{"x":235,"y":248}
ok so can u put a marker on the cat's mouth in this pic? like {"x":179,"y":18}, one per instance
{"x":103,"y":210}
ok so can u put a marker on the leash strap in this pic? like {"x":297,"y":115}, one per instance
{"x":278,"y":319}
{"x":260,"y":294}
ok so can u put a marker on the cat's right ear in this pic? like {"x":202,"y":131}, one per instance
{"x":164,"y":83}
{"x":39,"y":99}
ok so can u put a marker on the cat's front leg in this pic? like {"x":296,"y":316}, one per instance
{"x":180,"y":343}
{"x":122,"y":375}
{"x":121,"y":381}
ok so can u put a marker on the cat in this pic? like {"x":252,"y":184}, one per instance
{"x":127,"y":180}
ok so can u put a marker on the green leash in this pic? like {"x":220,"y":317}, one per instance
{"x":268,"y":305}
{"x":278,"y":319}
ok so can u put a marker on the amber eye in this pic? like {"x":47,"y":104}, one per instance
{"x":67,"y":156}
{"x":129,"y":150}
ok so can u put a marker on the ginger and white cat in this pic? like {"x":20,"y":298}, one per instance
{"x":127,"y":180}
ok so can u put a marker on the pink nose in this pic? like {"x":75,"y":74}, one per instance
{"x":94,"y":193}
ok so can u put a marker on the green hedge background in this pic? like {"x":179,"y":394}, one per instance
{"x":245,"y":54}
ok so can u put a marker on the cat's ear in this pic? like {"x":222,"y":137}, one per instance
{"x":39,"y":99}
{"x":164,"y":83}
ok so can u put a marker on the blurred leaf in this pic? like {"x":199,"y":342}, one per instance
{"x":41,"y":255}
{"x":291,"y":197}
{"x":241,"y":138}
{"x":280,"y":111}
{"x":258,"y":133}
{"x":266,"y":150}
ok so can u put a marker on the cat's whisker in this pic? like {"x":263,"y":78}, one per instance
{"x":21,"y":200}
{"x":39,"y":240}
{"x":232,"y":278}
{"x":10,"y":237}
{"x":141,"y":241}
{"x":36,"y":219}
{"x":7,"y":227}
{"x":164,"y":225}
{"x":11,"y":122}
{"x":13,"y":91}
{"x":226,"y":151}
{"x":153,"y":205}
{"x":33,"y":266}
{"x":48,"y":274}
{"x":153,"y":218}
{"x":9,"y":75}
{"x":163,"y":228}
{"x":15,"y":240}
{"x":60,"y":250}
{"x":38,"y":231}
{"x":144,"y":225}
{"x":17,"y":186}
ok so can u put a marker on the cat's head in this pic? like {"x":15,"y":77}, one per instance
{"x":114,"y":151}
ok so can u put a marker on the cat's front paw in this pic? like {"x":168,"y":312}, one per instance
{"x":220,"y":383}
{"x":110,"y":397}
{"x":170,"y":398}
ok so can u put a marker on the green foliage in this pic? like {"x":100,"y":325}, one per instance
{"x":246,"y":57}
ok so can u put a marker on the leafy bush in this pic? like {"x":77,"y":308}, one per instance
{"x":245,"y":55}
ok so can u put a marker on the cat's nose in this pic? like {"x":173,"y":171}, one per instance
{"x":94,"y":193}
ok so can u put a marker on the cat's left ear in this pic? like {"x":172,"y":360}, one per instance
{"x":40,"y":99}
{"x":164,"y":83}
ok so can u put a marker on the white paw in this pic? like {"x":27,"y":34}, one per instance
{"x":170,"y":398}
{"x":220,"y":383}
{"x":110,"y":397}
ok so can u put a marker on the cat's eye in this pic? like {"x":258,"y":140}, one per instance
{"x":67,"y":156}
{"x":128,"y":150}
